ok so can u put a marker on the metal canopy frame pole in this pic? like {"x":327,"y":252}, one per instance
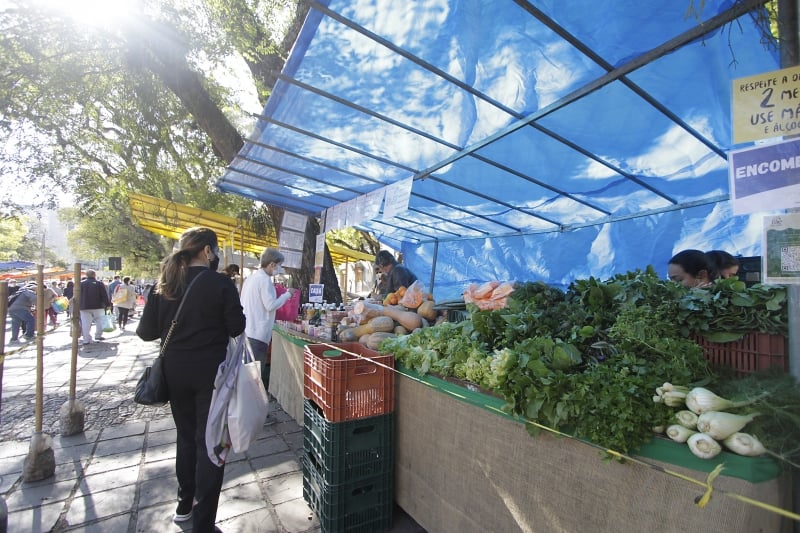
{"x":241,"y":262}
{"x":788,"y":27}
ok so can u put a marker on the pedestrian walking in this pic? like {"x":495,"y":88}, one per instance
{"x":211,"y":315}
{"x":112,"y":286}
{"x":125,"y":300}
{"x":58,"y":287}
{"x":93,"y":305}
{"x":21,"y":315}
{"x":50,"y":294}
{"x":69,"y":292}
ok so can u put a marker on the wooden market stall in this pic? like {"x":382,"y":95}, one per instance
{"x":449,"y":437}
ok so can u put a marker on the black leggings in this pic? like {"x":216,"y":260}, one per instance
{"x":190,"y":386}
{"x":122,"y":316}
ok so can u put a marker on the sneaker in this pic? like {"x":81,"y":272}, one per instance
{"x":183,"y":513}
{"x":100,"y":338}
{"x":14,"y":341}
{"x":85,"y":343}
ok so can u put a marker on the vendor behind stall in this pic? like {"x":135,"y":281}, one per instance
{"x":692,"y":269}
{"x":395,"y":274}
{"x":725,"y":265}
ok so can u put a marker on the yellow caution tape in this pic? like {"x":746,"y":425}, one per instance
{"x":706,"y":497}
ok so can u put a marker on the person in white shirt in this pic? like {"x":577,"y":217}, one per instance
{"x":260,"y":302}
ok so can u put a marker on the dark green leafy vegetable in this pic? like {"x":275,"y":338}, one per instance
{"x":589,"y":359}
{"x":728,"y":306}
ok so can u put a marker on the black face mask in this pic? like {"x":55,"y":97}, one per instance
{"x":214,"y":264}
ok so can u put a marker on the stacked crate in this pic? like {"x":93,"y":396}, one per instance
{"x":348,"y":436}
{"x":752,"y":352}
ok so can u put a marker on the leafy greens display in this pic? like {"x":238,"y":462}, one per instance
{"x":586,"y":361}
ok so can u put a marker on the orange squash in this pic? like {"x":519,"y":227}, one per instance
{"x":408,"y":319}
{"x":427,"y":311}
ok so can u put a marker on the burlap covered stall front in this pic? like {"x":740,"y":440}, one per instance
{"x":460,"y":468}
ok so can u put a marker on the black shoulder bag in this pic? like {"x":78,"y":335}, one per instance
{"x":152,"y":386}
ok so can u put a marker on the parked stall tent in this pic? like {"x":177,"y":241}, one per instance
{"x":514,"y":141}
{"x":549,"y":142}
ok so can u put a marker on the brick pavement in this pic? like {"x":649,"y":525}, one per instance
{"x":118,"y":475}
{"x":106,"y":377}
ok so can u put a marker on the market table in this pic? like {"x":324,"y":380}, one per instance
{"x":286,"y":373}
{"x":461,"y":465}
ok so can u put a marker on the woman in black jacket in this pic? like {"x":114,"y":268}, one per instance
{"x":211,"y":315}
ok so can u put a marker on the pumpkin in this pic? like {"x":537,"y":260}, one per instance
{"x":381,"y":323}
{"x":368,"y":328}
{"x":348,"y":335}
{"x":376,"y":338}
{"x":391,"y":299}
{"x":408,"y":319}
{"x":426,"y":310}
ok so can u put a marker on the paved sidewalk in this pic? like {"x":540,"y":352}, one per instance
{"x":118,"y":475}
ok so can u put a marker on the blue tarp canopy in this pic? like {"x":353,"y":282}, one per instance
{"x":545,"y":140}
{"x":16,"y":265}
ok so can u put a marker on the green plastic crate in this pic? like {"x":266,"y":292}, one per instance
{"x":348,"y":451}
{"x":363,"y":506}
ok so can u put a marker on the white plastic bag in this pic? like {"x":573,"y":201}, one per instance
{"x":218,"y":439}
{"x":108,"y":324}
{"x":248,"y":406}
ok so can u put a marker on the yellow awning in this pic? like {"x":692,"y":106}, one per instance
{"x":170,"y":219}
{"x":340,"y":255}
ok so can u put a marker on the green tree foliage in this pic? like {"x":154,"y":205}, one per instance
{"x":353,"y":239}
{"x":12,"y":231}
{"x":24,"y":239}
{"x":143,"y":104}
{"x":141,"y":250}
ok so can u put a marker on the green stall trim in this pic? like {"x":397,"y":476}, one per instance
{"x":752,"y":469}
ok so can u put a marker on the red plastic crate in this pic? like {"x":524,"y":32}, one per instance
{"x":753,"y":352}
{"x":346,"y":386}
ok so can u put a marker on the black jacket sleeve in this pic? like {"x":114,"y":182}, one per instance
{"x":149,"y":328}
{"x":234,"y":314}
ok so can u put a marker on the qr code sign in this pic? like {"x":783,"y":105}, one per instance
{"x":790,"y":258}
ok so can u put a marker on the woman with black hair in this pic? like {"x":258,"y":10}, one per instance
{"x":211,"y":315}
{"x":723,"y":263}
{"x":691,"y":268}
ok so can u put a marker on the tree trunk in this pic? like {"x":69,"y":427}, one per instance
{"x":305,"y":275}
{"x":163,"y":54}
{"x":160,"y":49}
